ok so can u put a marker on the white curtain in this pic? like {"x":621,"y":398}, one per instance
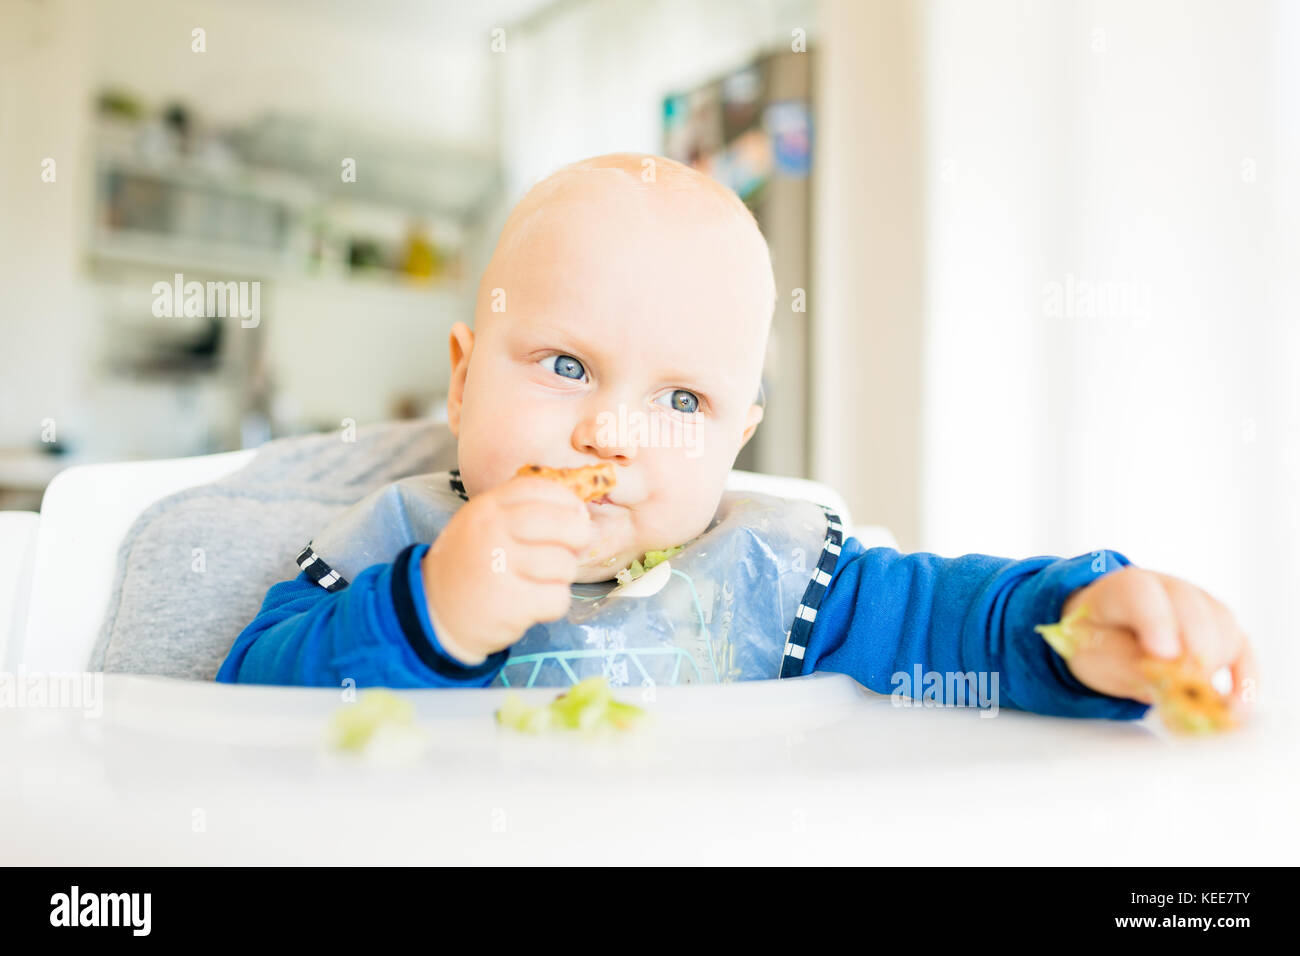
{"x":1112,"y":320}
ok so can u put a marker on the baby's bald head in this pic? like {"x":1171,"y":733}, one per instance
{"x":655,"y":203}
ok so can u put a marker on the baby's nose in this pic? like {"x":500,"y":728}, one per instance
{"x":607,"y":434}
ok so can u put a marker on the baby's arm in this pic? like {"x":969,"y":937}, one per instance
{"x":375,"y":631}
{"x":885,"y":613}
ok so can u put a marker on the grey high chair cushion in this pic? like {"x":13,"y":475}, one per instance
{"x":194,"y":568}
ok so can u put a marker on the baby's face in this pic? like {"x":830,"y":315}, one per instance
{"x":628,"y":328}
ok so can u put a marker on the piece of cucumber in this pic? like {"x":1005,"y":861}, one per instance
{"x":1062,"y":635}
{"x":587,"y":706}
{"x":356,"y":723}
{"x":645,"y":563}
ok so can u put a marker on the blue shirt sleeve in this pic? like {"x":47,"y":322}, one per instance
{"x":375,"y":631}
{"x":892,"y":620}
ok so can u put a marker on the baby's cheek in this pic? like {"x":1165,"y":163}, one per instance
{"x":479,"y":463}
{"x":681,"y":518}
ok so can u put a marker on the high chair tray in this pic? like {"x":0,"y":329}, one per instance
{"x":815,"y":769}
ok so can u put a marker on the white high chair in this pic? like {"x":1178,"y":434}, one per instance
{"x":811,"y":770}
{"x":48,"y":625}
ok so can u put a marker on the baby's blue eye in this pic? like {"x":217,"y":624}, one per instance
{"x":565,"y":365}
{"x":683,"y":401}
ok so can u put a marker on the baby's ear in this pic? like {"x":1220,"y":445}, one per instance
{"x":752,"y":418}
{"x":460,"y":345}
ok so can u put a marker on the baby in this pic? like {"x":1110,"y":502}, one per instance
{"x":633,"y":288}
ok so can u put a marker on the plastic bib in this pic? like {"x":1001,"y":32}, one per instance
{"x":736,"y":603}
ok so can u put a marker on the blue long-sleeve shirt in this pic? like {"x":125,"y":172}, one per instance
{"x":884,"y":614}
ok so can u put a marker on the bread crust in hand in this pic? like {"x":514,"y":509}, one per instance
{"x":587,"y":482}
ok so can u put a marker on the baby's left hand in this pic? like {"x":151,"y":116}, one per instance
{"x":1134,"y":613}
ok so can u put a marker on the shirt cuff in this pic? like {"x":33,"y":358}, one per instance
{"x":1047,"y":686}
{"x":413,"y":616}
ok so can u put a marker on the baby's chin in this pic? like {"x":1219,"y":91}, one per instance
{"x":595,"y":569}
{"x":600,"y":565}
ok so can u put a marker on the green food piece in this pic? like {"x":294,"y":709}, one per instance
{"x":588,"y":706}
{"x":630,"y":573}
{"x":583,"y":705}
{"x":644,"y":564}
{"x":357,"y":722}
{"x":657,"y":557}
{"x":1062,"y":635}
{"x":515,"y":713}
{"x":623,"y":716}
{"x":1188,"y":723}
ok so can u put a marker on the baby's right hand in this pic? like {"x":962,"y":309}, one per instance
{"x":503,"y":563}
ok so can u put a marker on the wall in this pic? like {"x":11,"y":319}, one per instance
{"x":867,"y":263}
{"x":45,"y":321}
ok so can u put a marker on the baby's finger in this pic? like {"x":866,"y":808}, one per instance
{"x":1245,"y":679}
{"x":546,"y":602}
{"x":529,"y":488}
{"x":1229,"y":639}
{"x":537,"y":522}
{"x":1108,"y":660}
{"x":1135,"y":598}
{"x":544,"y":563}
{"x":1197,"y":625}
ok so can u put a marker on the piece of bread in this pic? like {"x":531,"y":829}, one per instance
{"x":1186,"y":701}
{"x":588,"y":482}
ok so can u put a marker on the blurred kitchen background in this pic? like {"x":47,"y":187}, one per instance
{"x":1037,"y":260}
